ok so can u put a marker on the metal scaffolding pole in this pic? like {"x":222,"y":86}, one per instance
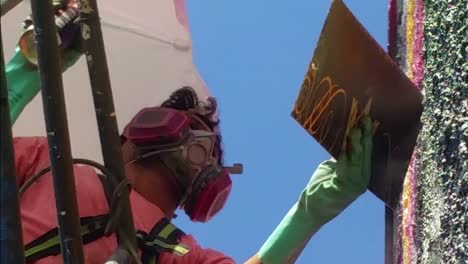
{"x":8,"y":5}
{"x":57,"y":130}
{"x":93,"y":44}
{"x":11,"y":238}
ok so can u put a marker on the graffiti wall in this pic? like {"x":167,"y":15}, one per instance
{"x":428,"y":39}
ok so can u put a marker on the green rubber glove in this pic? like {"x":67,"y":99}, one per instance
{"x":23,"y":80}
{"x":333,"y":187}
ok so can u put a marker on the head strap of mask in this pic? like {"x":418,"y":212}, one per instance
{"x":160,"y":130}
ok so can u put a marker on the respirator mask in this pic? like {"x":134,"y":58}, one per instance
{"x":160,"y":130}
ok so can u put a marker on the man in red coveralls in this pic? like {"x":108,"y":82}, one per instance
{"x":173,"y":159}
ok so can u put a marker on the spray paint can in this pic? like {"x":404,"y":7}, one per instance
{"x":66,"y":32}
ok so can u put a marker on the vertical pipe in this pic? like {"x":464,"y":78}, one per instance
{"x":8,"y":5}
{"x":105,"y":113}
{"x":57,"y":130}
{"x":389,"y":255}
{"x":11,"y":238}
{"x":389,"y":213}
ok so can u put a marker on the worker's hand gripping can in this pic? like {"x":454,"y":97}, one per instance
{"x":66,"y":16}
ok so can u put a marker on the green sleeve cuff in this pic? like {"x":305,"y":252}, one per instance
{"x":23,"y":80}
{"x":324,"y":197}
{"x":289,"y":238}
{"x":22,"y":83}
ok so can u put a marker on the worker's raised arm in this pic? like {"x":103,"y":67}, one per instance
{"x":333,"y":187}
{"x":23,"y":79}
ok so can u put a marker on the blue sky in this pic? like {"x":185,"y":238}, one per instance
{"x":253,"y":55}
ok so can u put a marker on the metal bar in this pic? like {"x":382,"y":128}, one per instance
{"x":93,"y":44}
{"x":7,"y":5}
{"x":57,"y":130}
{"x":389,"y":231}
{"x":11,"y":237}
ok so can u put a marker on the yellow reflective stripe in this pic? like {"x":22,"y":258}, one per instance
{"x":53,"y":242}
{"x":178,"y":248}
{"x":167,"y":230}
{"x":48,"y":244}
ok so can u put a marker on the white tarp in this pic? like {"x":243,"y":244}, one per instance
{"x":149,"y":55}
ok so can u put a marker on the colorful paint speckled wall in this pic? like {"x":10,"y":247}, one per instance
{"x":429,"y":41}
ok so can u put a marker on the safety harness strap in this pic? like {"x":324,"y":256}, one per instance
{"x":164,"y":237}
{"x":92,"y":228}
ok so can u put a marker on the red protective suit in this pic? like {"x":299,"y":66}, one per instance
{"x":38,"y":211}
